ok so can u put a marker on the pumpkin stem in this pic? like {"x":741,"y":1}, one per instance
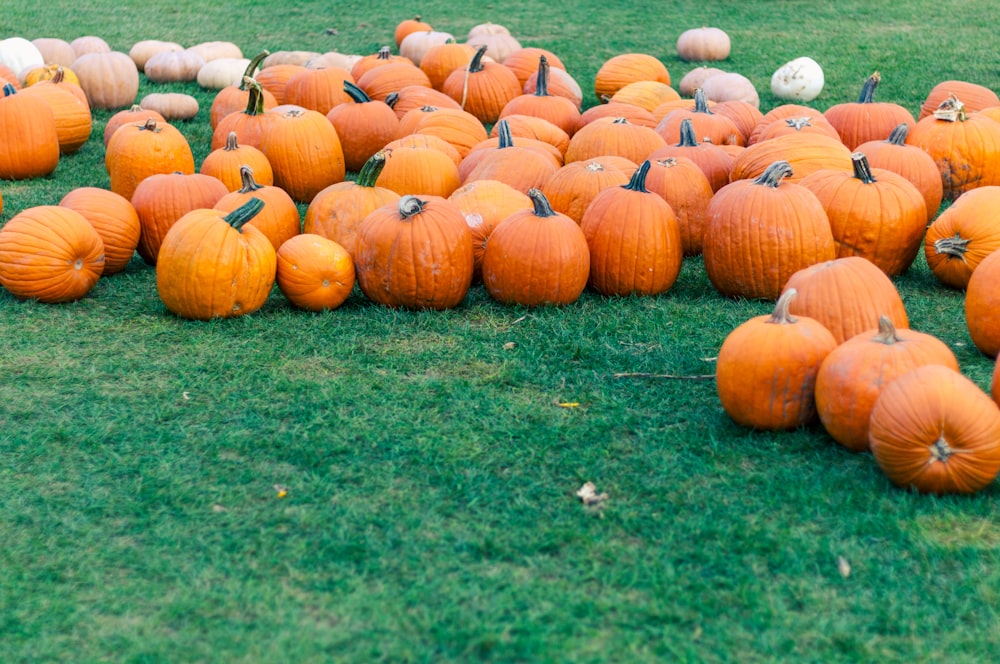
{"x":886,"y":331}
{"x":701,"y":102}
{"x":504,"y":138}
{"x":410,"y":205}
{"x":774,"y":174}
{"x":898,"y":135}
{"x":862,"y":170}
{"x":232,"y":142}
{"x":356,"y":94}
{"x":252,"y":67}
{"x":542,"y":206}
{"x":780,"y":315}
{"x":246,"y":177}
{"x":953,"y":247}
{"x":149,"y":125}
{"x":244,"y":213}
{"x":941,"y":450}
{"x":384,"y":54}
{"x":688,"y":138}
{"x":9,"y":89}
{"x":476,"y":64}
{"x":798,"y":124}
{"x":371,"y":169}
{"x":868,"y":89}
{"x":59,"y":76}
{"x":255,"y":96}
{"x":638,"y":180}
{"x":951,"y":110}
{"x":391,"y":99}
{"x":542,"y":83}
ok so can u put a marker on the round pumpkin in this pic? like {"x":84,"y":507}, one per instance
{"x":704,"y":43}
{"x":31,"y":147}
{"x":279,"y":220}
{"x":215,"y":265}
{"x":314,"y":273}
{"x":765,"y":372}
{"x":934,"y":430}
{"x":50,"y":254}
{"x":855,"y":372}
{"x":963,"y":235}
{"x":113,"y":217}
{"x":982,"y":305}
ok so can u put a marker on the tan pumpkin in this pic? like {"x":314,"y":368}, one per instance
{"x":110,"y":79}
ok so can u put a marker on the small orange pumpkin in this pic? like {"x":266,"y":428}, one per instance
{"x":314,"y":273}
{"x":982,"y":305}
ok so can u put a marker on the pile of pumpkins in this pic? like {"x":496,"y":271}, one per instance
{"x":477,"y":162}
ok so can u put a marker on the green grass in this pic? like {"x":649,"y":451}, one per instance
{"x":430,"y":468}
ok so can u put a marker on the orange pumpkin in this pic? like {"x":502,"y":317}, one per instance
{"x":50,"y":254}
{"x":380,"y":82}
{"x":975,"y":97}
{"x":852,"y":376}
{"x":765,"y":372}
{"x":934,"y":430}
{"x":314,"y":273}
{"x":982,"y":305}
{"x":113,"y":217}
{"x":482,"y":88}
{"x":536,"y":257}
{"x":634,"y":239}
{"x":893,"y":154}
{"x":135,"y":114}
{"x":485,"y":203}
{"x":304,"y":151}
{"x":560,"y":111}
{"x":805,"y":153}
{"x":866,"y":119}
{"x":318,"y":89}
{"x":163,"y":198}
{"x":523,"y":168}
{"x":215,"y":265}
{"x":622,"y":69}
{"x":613,"y":136}
{"x":364,"y":125}
{"x":684,"y":186}
{"x":279,"y":220}
{"x":442,"y":59}
{"x":69,"y":107}
{"x":847,"y":295}
{"x":761,"y":232}
{"x":225,"y":163}
{"x":137,"y":151}
{"x":249,"y":124}
{"x":31,"y":144}
{"x":708,"y":126}
{"x":337,"y":211}
{"x":415,"y":254}
{"x":233,"y":98}
{"x":713,"y":160}
{"x":963,"y":235}
{"x":571,"y":189}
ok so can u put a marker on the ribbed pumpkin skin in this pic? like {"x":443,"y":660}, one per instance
{"x":982,"y":305}
{"x":536,"y":258}
{"x":963,"y":235}
{"x":934,"y":430}
{"x":765,"y":373}
{"x":51,"y":254}
{"x":866,"y":120}
{"x":975,"y":97}
{"x":279,"y":220}
{"x":415,"y":254}
{"x":613,"y":136}
{"x":318,"y":89}
{"x":806,"y":154}
{"x":995,"y":384}
{"x":482,"y":88}
{"x":137,"y":151}
{"x":966,"y":150}
{"x":72,"y":114}
{"x":684,"y":186}
{"x":419,"y":171}
{"x":620,"y":70}
{"x":852,"y":376}
{"x":759,"y":234}
{"x":571,"y":189}
{"x":115,"y":220}
{"x":163,"y":198}
{"x":304,"y":151}
{"x":314,"y":273}
{"x":486,"y":203}
{"x":847,"y":295}
{"x":28,"y":135}
{"x":873,"y":213}
{"x":225,"y":163}
{"x":209,"y":269}
{"x":634,"y":240}
{"x":911,"y":162}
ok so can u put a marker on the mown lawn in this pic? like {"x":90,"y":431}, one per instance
{"x":377,"y":485}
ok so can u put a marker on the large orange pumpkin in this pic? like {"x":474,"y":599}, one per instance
{"x":304,"y":150}
{"x":163,"y":198}
{"x":963,"y":235}
{"x":482,"y":88}
{"x":113,"y":217}
{"x":982,"y":305}
{"x":415,"y":254}
{"x":866,"y":119}
{"x":761,"y":232}
{"x":29,"y":136}
{"x":765,"y":373}
{"x":137,"y":151}
{"x":214,"y":265}
{"x":852,"y":376}
{"x":279,"y":220}
{"x":934,"y":430}
{"x":893,"y":154}
{"x":50,"y":254}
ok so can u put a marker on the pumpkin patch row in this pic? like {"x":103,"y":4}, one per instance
{"x":477,"y":162}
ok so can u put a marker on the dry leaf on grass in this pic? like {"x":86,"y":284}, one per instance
{"x":589,"y":496}
{"x":843,"y":567}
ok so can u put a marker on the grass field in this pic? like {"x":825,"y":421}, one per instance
{"x":372,"y":485}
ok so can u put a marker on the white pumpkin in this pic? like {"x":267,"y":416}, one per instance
{"x":222,"y":72}
{"x":799,"y":80}
{"x":19,"y":54}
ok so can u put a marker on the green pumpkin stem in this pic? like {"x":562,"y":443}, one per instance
{"x":391,"y":99}
{"x":356,"y":94}
{"x":898,"y":135}
{"x":252,"y":68}
{"x":255,"y":98}
{"x":781,"y":315}
{"x":410,"y":205}
{"x":476,"y":64}
{"x":862,"y":170}
{"x":249,"y":185}
{"x":954,"y":247}
{"x":371,"y":169}
{"x":542,"y":82}
{"x":886,"y":331}
{"x":774,"y":174}
{"x":688,"y":137}
{"x":868,"y":89}
{"x":244,"y":213}
{"x":9,"y":89}
{"x":638,"y":180}
{"x":541,"y":204}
